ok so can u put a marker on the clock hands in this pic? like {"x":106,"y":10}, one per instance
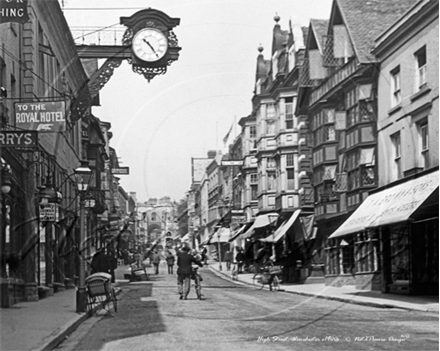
{"x":148,"y":43}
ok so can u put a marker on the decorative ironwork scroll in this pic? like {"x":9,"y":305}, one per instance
{"x":98,"y":79}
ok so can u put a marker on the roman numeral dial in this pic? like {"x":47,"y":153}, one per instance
{"x":149,"y":44}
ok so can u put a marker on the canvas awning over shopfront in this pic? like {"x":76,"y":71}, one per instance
{"x":222,"y":235}
{"x":240,"y":231}
{"x":260,"y":222}
{"x":391,"y":205}
{"x":185,"y":238}
{"x":281,"y":231}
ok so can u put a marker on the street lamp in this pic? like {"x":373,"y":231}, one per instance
{"x":5,"y":189}
{"x":6,"y":180}
{"x":83,"y":174}
{"x":49,"y":200}
{"x":219,"y":250}
{"x":272,"y":223}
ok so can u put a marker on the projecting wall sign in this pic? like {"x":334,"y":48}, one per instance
{"x":13,"y":11}
{"x":48,"y":117}
{"x":18,"y":139}
{"x":121,"y":170}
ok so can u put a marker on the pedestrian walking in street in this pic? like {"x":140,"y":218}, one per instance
{"x":205,"y":255}
{"x":100,"y":262}
{"x":113,"y":264}
{"x":184,"y":271}
{"x":228,"y":259}
{"x":170,"y":262}
{"x":155,"y":259}
{"x":239,"y":258}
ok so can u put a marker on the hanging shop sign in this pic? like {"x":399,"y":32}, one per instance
{"x":18,"y":139}
{"x":46,"y":117}
{"x":232,"y":163}
{"x":49,"y":212}
{"x":121,"y":170}
{"x":13,"y":11}
{"x":238,"y":219}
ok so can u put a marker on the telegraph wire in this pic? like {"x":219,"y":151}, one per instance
{"x":23,"y":66}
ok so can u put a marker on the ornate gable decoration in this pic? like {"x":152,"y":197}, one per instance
{"x":154,"y":45}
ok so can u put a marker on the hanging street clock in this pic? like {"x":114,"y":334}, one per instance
{"x":152,"y":41}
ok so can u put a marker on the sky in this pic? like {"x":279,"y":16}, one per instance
{"x":158,"y":126}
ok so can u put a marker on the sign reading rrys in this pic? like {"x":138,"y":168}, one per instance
{"x":18,"y":138}
{"x":121,"y":170}
{"x":49,"y":117}
{"x":13,"y":11}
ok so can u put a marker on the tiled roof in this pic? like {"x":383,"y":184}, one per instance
{"x":319,"y":28}
{"x":366,"y":19}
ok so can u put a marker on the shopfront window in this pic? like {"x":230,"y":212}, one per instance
{"x":399,"y":243}
{"x":346,"y":256}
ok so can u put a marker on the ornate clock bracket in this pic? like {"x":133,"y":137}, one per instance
{"x":148,"y":18}
{"x":90,"y":91}
{"x":151,"y":18}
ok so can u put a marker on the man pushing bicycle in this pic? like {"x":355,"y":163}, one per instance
{"x":184,"y":271}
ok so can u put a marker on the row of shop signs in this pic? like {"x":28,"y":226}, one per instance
{"x":32,"y":118}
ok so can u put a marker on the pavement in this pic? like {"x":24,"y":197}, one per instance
{"x":44,"y":324}
{"x":346,"y":293}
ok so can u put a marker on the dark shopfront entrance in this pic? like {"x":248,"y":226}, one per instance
{"x":410,"y":258}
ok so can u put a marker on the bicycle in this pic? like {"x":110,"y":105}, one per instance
{"x":197,"y":283}
{"x":267,"y":276}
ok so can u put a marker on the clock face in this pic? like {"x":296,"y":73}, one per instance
{"x":149,"y":44}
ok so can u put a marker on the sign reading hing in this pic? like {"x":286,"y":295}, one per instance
{"x":13,"y":11}
{"x":49,"y":117}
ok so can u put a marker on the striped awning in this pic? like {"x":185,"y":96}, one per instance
{"x":222,"y":235}
{"x":281,"y":231}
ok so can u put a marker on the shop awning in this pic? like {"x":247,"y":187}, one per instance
{"x":391,"y":205}
{"x":205,"y":242}
{"x":185,"y":238}
{"x":240,"y":231}
{"x":260,"y":222}
{"x":222,"y":235}
{"x":265,"y":219}
{"x":281,"y":231}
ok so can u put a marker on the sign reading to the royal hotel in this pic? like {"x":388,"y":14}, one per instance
{"x":41,"y":116}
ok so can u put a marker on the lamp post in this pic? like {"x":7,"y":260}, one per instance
{"x":219,"y":251}
{"x":49,"y":198}
{"x":272,"y":220}
{"x":82,"y":174}
{"x":5,"y":189}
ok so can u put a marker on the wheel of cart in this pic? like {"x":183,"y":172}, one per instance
{"x":100,"y":292}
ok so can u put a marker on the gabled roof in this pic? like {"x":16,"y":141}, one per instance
{"x":366,"y":19}
{"x":319,"y":28}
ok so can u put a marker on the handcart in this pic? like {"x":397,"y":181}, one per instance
{"x":100,"y":292}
